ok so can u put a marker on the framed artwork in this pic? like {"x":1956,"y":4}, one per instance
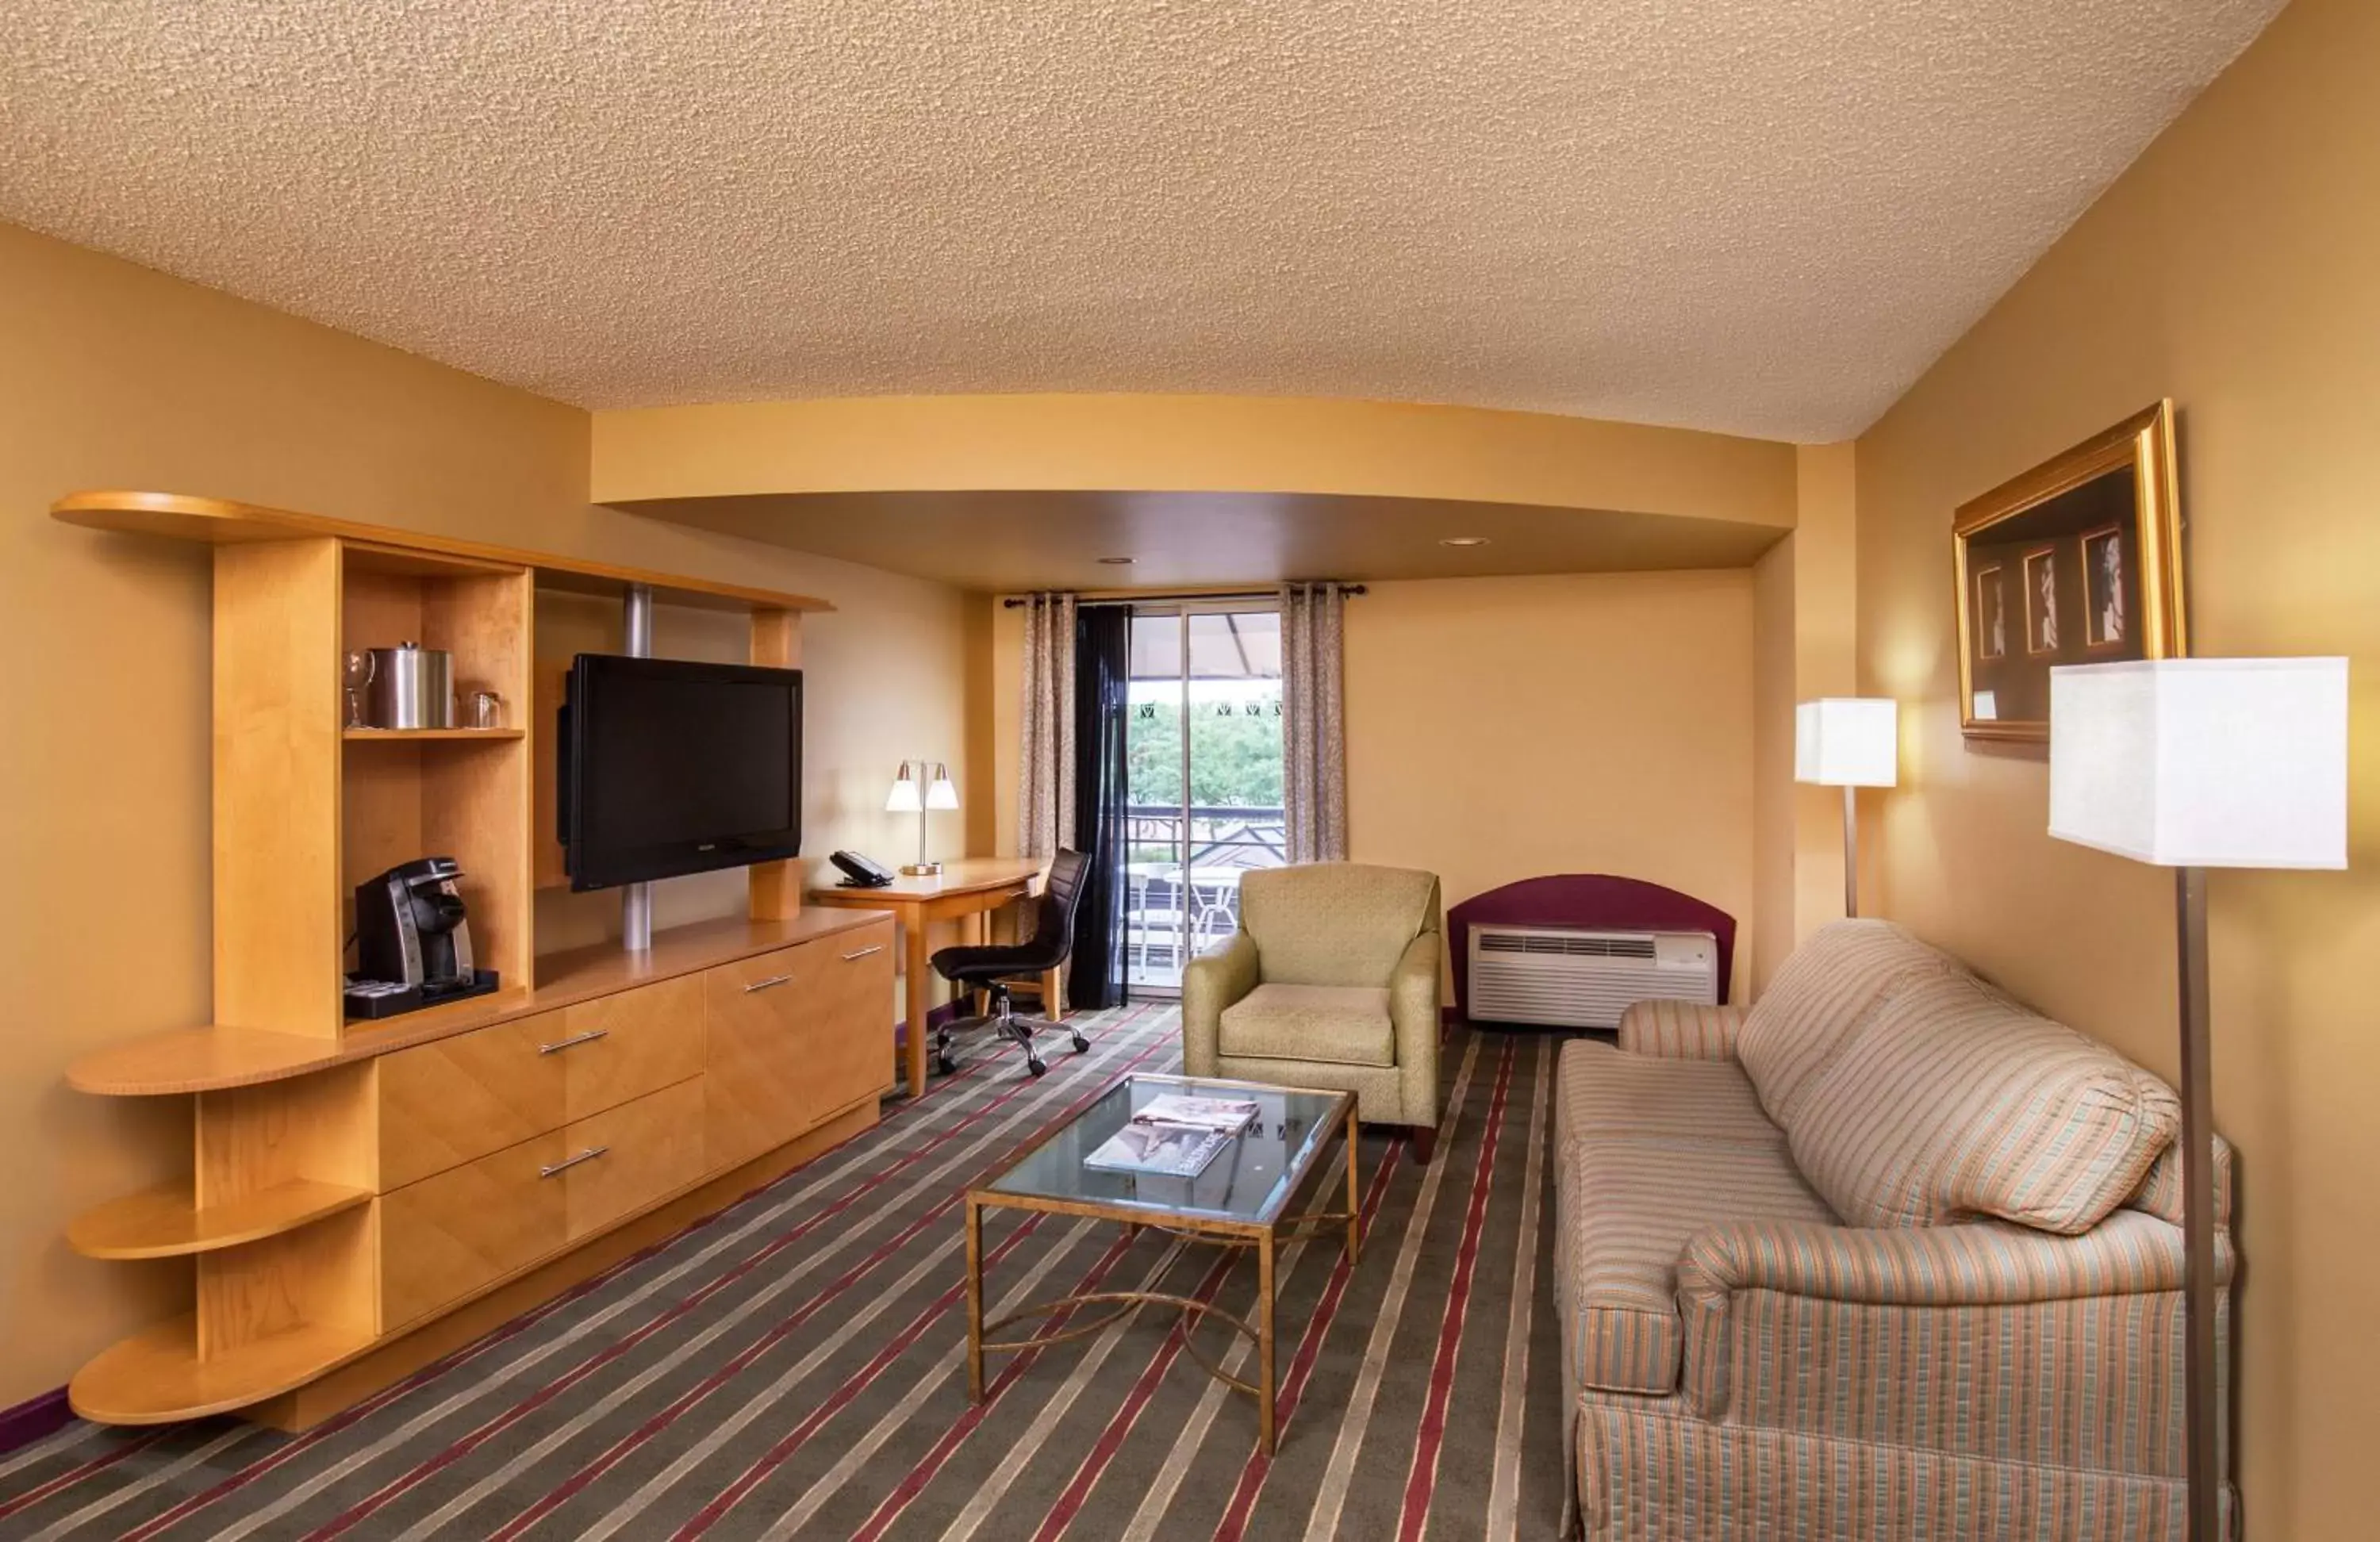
{"x":2082,"y":557}
{"x":2106,"y":621}
{"x":1991,"y":612}
{"x":2041,"y":600}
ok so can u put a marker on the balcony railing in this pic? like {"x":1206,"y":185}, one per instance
{"x":1184,"y":866}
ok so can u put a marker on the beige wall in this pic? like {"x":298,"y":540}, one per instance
{"x":1777,"y":798}
{"x":1502,"y":728}
{"x":1805,"y":622}
{"x":116,"y":376}
{"x":2231,"y":269}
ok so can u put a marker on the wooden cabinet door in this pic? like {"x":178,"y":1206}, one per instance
{"x":753,"y":1075}
{"x":850,"y":1025}
{"x":786,"y":1042}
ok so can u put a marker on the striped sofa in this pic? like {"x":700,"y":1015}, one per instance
{"x":1884,"y":1257}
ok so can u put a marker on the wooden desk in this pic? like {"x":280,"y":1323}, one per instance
{"x":965,"y":891}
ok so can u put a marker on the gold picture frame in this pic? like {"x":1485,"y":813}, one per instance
{"x":2113,"y":500}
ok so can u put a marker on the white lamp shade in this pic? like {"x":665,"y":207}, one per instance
{"x":904,"y":798}
{"x":2202,"y":762}
{"x":942,"y":793}
{"x":1847,"y":741}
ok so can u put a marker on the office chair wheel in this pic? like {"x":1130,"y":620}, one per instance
{"x":947,"y":1063}
{"x":1082,"y":1045}
{"x":1039,"y":1066}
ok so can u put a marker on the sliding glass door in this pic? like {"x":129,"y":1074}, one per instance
{"x":1205,"y":786}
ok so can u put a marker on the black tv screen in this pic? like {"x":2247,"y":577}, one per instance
{"x":670,"y":766}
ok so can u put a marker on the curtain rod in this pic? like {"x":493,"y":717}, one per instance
{"x":1014,"y":601}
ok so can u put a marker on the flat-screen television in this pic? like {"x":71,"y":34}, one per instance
{"x":668,"y":766}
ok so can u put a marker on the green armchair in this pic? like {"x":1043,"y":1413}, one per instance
{"x":1332,"y":981}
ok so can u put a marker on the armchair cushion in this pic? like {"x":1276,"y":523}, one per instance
{"x":1345,"y":1025}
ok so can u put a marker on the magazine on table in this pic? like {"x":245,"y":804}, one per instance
{"x":1174,"y":1135}
{"x":1230,"y":1115}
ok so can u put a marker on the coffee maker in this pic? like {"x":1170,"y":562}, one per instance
{"x":413,"y":941}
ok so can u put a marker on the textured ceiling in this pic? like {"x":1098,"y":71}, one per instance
{"x":1759,"y":216}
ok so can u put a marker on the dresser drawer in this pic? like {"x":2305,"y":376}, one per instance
{"x":621,"y":1047}
{"x":456,"y":1100}
{"x":460,"y":1230}
{"x":647,"y":1148}
{"x":452,"y":1234}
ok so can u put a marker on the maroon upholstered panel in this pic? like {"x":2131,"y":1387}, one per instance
{"x":1598,"y":899}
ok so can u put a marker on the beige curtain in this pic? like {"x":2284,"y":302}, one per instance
{"x":1045,"y":786}
{"x":1314,"y":729}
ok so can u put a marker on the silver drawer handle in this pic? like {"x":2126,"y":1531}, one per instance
{"x":766,"y":984}
{"x":864,"y":952}
{"x":569,"y":1162}
{"x":589,"y":1036}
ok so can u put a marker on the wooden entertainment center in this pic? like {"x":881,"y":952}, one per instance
{"x":367,"y":1196}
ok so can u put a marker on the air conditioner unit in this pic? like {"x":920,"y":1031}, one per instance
{"x":1584,"y":979}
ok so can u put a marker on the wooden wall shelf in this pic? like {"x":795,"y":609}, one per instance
{"x":428,"y":735}
{"x":166,"y":1223}
{"x":222,"y":522}
{"x":157,"y":1376}
{"x":354,"y":1182}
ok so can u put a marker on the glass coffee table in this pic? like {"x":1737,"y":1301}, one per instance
{"x":1240,"y":1199}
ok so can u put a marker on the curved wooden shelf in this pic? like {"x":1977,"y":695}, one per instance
{"x":157,"y":1377}
{"x":419,"y":736}
{"x":221,"y":521}
{"x":162,"y":1223}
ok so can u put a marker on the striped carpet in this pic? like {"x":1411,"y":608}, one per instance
{"x":795,"y":1367}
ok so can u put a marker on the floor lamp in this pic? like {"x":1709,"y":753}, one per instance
{"x":2192,"y":764}
{"x":1849,"y":742}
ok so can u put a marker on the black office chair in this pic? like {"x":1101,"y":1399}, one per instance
{"x":990,"y":969}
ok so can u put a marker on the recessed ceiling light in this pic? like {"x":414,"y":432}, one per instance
{"x":1464,"y":540}
{"x":1117,"y":562}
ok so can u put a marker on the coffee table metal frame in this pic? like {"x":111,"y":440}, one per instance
{"x":1263,"y":1233}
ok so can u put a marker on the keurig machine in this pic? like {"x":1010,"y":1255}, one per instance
{"x":413,"y":941}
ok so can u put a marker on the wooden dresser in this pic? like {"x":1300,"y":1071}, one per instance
{"x":364,"y":1197}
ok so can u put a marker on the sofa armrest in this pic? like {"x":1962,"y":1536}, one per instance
{"x":1213,"y":980}
{"x":1680,"y":1030}
{"x":1414,"y":1014}
{"x":1980,"y":1263}
{"x":1982,"y":1339}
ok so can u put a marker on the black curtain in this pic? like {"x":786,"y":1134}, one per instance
{"x":1102,"y":695}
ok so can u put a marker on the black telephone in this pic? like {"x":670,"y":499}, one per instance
{"x":860,"y":872}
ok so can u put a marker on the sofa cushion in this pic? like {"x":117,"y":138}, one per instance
{"x":1335,"y":923}
{"x":1824,"y":993}
{"x":1624,"y":1210}
{"x":1604,"y":1092}
{"x":1346,"y":1024}
{"x":1954,"y":1101}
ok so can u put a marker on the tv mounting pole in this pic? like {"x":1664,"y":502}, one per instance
{"x":636,"y":899}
